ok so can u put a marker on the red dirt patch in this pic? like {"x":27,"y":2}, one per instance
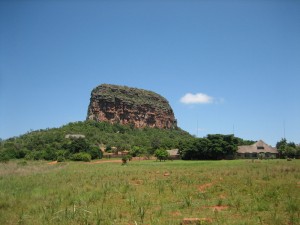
{"x":176,"y":213}
{"x":106,"y":161}
{"x":138,"y":182}
{"x":217,"y":207}
{"x":52,"y":163}
{"x":203,"y":187}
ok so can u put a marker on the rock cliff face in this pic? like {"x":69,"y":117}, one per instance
{"x":125,"y":105}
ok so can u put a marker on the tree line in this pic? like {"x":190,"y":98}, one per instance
{"x":52,"y":144}
{"x":212,"y":147}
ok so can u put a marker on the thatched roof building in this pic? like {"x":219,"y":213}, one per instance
{"x":252,"y":151}
{"x":173,"y":153}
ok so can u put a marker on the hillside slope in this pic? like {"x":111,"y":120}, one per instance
{"x":123,"y":137}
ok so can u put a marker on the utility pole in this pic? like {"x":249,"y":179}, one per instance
{"x":284,"y":129}
{"x":197,"y":128}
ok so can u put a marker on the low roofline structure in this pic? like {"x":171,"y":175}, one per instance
{"x":250,"y":151}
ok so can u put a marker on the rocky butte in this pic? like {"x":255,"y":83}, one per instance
{"x":125,"y":105}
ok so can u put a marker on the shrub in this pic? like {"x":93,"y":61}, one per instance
{"x":63,"y":154}
{"x":137,"y":151}
{"x":22,"y":153}
{"x":95,"y":153}
{"x":125,"y":158}
{"x":129,"y":157}
{"x":60,"y":158}
{"x":4,"y":158}
{"x":81,"y":156}
{"x":38,"y":155}
{"x":9,"y":153}
{"x":49,"y":154}
{"x":161,"y":154}
{"x":29,"y":156}
{"x":108,"y":148}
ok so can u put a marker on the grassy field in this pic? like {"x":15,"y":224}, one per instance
{"x":150,"y":192}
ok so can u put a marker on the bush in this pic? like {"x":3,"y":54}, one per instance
{"x":108,"y":149}
{"x":29,"y":156}
{"x":60,"y":158}
{"x":95,"y":153}
{"x":4,"y":158}
{"x":63,"y":154}
{"x":81,"y":156}
{"x":161,"y":154}
{"x":8,"y":153}
{"x":49,"y":154}
{"x":124,"y":159}
{"x":38,"y":155}
{"x":22,"y":153}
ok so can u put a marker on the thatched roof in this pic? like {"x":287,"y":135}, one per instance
{"x":173,"y":152}
{"x":257,"y":147}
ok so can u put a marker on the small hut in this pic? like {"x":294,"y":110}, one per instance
{"x":173,"y":154}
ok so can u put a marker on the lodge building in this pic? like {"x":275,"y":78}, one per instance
{"x":254,"y":150}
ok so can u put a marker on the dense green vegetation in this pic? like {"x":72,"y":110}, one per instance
{"x":50,"y":144}
{"x":288,"y":149}
{"x":214,"y":146}
{"x":231,"y":192}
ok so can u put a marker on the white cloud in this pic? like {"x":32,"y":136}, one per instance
{"x":198,"y":98}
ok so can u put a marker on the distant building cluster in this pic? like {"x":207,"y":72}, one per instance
{"x":75,"y":136}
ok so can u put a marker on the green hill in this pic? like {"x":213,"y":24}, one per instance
{"x":51,"y":143}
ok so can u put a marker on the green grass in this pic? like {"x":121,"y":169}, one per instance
{"x":150,"y":192}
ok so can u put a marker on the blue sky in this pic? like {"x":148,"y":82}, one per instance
{"x":238,"y":61}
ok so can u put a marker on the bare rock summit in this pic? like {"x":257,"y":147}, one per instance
{"x":125,"y":105}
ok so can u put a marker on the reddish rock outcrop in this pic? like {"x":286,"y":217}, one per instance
{"x":125,"y":105}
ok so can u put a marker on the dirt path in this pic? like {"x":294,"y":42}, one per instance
{"x":107,"y":161}
{"x":95,"y":162}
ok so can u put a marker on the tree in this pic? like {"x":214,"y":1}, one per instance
{"x":78,"y":145}
{"x":287,"y":149}
{"x":290,"y":152}
{"x":161,"y":154}
{"x":95,"y":152}
{"x":4,"y":157}
{"x":222,"y":146}
{"x":214,"y":146}
{"x":137,"y":151}
{"x":298,"y":151}
{"x":125,"y":159}
{"x":81,"y":156}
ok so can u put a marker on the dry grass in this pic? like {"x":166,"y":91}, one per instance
{"x":221,"y":192}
